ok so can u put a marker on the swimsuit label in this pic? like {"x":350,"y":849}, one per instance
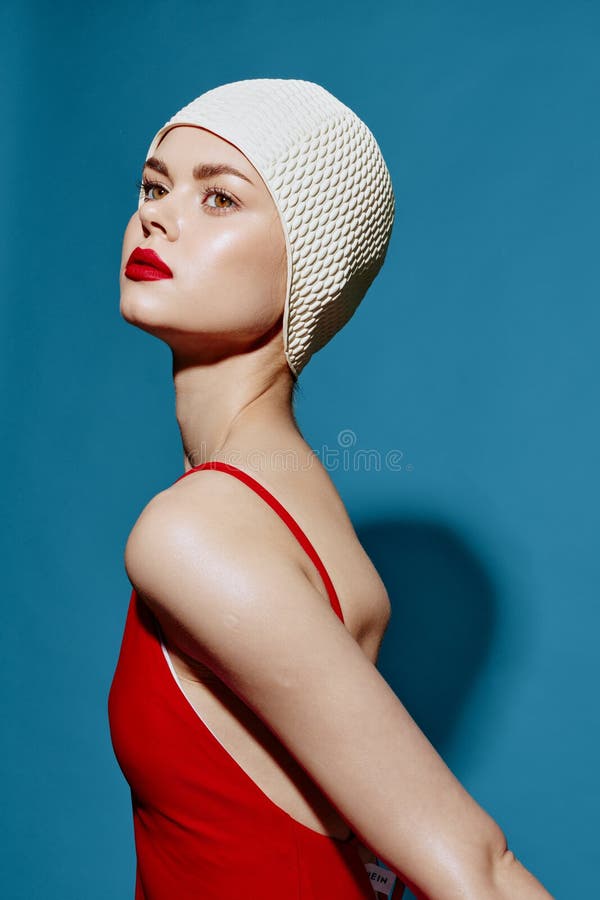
{"x":382,"y":880}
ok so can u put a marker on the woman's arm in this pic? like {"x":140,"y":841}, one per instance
{"x":252,"y":615}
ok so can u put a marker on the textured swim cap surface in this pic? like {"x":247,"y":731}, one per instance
{"x":330,"y":184}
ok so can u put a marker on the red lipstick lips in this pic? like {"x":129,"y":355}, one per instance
{"x":146,"y":265}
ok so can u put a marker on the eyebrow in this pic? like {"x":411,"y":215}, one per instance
{"x":201,"y":171}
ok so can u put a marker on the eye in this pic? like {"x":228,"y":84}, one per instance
{"x":215,"y":198}
{"x":222,"y":199}
{"x":146,"y":187}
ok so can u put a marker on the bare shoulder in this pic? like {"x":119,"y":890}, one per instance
{"x":215,"y":535}
{"x":208,"y":517}
{"x":219,"y":514}
{"x":208,"y":560}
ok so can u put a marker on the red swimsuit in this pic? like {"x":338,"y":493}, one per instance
{"x":203,"y":829}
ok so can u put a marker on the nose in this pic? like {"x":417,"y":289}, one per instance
{"x":159,"y":216}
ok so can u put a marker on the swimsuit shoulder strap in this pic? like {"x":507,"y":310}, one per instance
{"x":283,"y":513}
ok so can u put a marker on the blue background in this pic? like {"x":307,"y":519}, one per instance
{"x":474,"y":356}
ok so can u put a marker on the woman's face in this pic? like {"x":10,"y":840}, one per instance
{"x":220,"y":235}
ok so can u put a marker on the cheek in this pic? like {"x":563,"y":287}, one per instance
{"x":244,"y":267}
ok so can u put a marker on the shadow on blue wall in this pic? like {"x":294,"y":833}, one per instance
{"x":444,"y":611}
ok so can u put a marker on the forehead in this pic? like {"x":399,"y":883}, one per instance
{"x":192,"y":144}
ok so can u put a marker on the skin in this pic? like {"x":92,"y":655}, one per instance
{"x":356,"y":757}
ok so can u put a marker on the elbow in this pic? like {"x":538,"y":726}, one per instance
{"x":499,"y":852}
{"x":502,"y":863}
{"x":510,"y":878}
{"x":500,"y":858}
{"x":491,"y":872}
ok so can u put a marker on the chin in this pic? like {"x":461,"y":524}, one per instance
{"x":143,"y":305}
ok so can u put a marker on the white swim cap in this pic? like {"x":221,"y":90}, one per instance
{"x":330,"y":184}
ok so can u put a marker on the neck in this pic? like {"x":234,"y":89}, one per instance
{"x":232,"y":410}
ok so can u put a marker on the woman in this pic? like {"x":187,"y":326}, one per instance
{"x":266,"y":755}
